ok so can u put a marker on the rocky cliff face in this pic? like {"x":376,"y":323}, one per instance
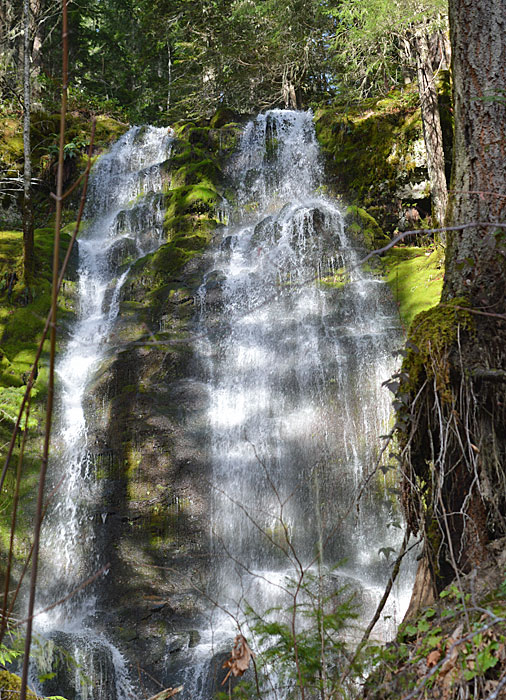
{"x":148,"y":401}
{"x":376,"y":156}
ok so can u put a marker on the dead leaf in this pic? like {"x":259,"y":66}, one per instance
{"x":239,"y":658}
{"x":433,"y":658}
{"x":455,"y":637}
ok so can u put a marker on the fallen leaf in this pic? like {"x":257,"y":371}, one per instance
{"x":433,"y":658}
{"x":239,"y":658}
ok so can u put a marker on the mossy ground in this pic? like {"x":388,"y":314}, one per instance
{"x":23,"y":315}
{"x":415,"y":276}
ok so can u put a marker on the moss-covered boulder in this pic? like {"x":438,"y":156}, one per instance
{"x":364,"y":228}
{"x":10,"y":686}
{"x":376,"y":156}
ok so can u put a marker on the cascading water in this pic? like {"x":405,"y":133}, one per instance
{"x":293,"y":342}
{"x":297,"y":340}
{"x":124,"y":214}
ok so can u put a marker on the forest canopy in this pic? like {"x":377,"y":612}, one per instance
{"x":158,"y":60}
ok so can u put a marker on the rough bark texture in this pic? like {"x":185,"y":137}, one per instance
{"x":478,"y":193}
{"x":476,"y":257}
{"x":432,"y":133}
{"x":455,"y":415}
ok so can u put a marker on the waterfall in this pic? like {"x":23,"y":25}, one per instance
{"x":124,"y":222}
{"x":292,"y":342}
{"x":296,"y":342}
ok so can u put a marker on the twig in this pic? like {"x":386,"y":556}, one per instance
{"x":476,"y":311}
{"x":70,"y":595}
{"x":50,"y":390}
{"x":381,"y":605}
{"x":500,"y":686}
{"x":425,"y":231}
{"x":168,"y":693}
{"x":455,"y":644}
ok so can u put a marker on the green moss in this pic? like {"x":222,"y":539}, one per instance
{"x":11,"y":143}
{"x":364,"y":227}
{"x":10,"y":686}
{"x":22,"y":319}
{"x":430,"y":336}
{"x":370,"y":150}
{"x":197,"y":172}
{"x":108,"y":130}
{"x":415,"y":276}
{"x":223,"y":117}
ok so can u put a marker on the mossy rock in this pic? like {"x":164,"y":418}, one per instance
{"x":199,"y":136}
{"x":196,"y":172}
{"x":223,"y":117}
{"x":373,"y":154}
{"x":108,"y":130}
{"x":365,"y":228}
{"x":10,"y":686}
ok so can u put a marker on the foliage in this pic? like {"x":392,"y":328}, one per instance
{"x":302,"y":644}
{"x":371,"y":44}
{"x":453,"y":649}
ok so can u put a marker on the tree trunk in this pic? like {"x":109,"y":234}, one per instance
{"x":28,"y":241}
{"x":455,"y":435}
{"x":479,"y":174}
{"x":36,"y":47}
{"x":432,"y":133}
{"x":476,"y":257}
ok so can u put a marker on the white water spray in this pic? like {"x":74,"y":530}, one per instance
{"x":298,"y":343}
{"x":124,"y":222}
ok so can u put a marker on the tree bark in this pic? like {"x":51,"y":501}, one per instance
{"x":432,"y":133}
{"x":28,"y":239}
{"x":456,"y":429}
{"x":478,"y":192}
{"x":476,"y":257}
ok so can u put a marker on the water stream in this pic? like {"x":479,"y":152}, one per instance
{"x":298,"y":340}
{"x":124,"y":222}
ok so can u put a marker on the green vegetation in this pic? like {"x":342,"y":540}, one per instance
{"x":453,"y":649}
{"x":415,"y":276}
{"x":365,"y":228}
{"x":375,"y":155}
{"x":23,"y":314}
{"x":10,"y":685}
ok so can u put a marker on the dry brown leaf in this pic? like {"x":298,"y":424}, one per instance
{"x":433,"y":658}
{"x":490,"y":686}
{"x":450,"y":663}
{"x":240,"y":657}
